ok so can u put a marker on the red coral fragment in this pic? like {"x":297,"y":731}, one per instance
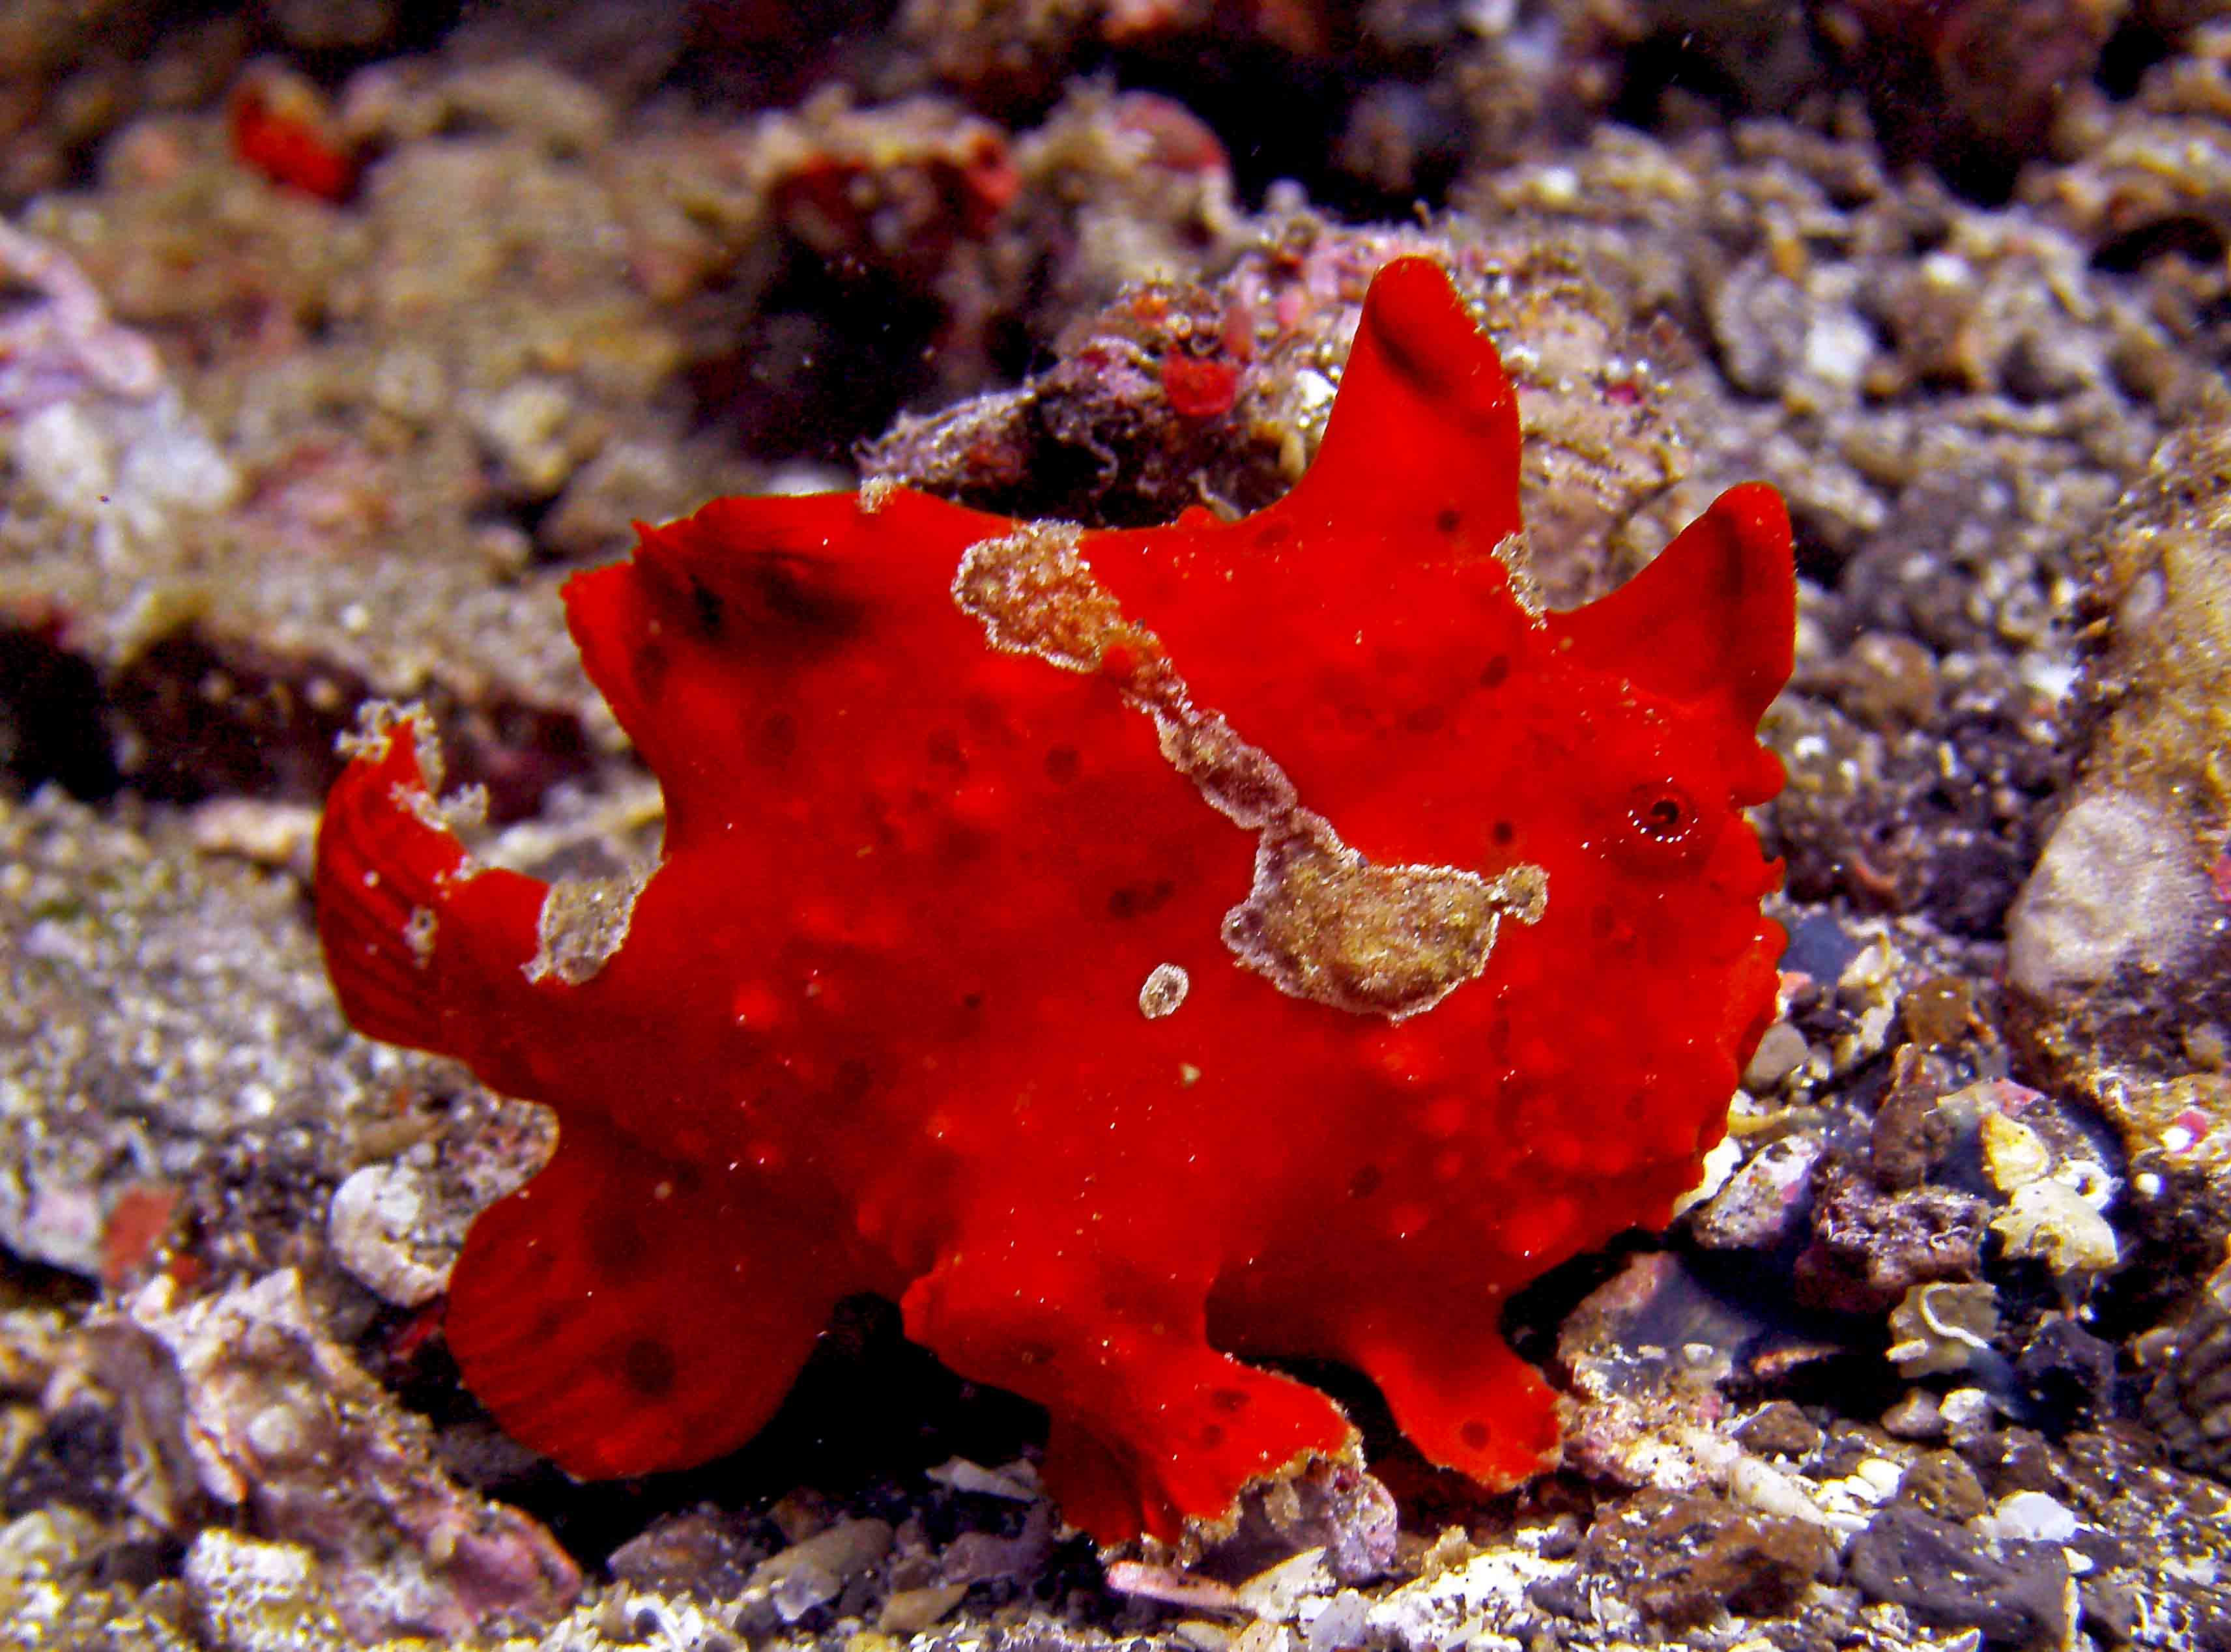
{"x":279,"y":127}
{"x":1129,"y":949}
{"x":899,"y":214}
{"x":1200,"y":387}
{"x":141,"y":1224}
{"x":1177,"y":139}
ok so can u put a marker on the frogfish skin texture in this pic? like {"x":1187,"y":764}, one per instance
{"x":1135,"y":952}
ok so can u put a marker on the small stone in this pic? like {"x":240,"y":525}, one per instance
{"x":1679,"y":1559}
{"x":801,"y":1589}
{"x":1968,"y":1414}
{"x":844,"y":1551}
{"x":1782,"y":1050}
{"x":524,"y":427}
{"x":47,"y":1542}
{"x":256,"y":829}
{"x":2068,"y":1374}
{"x":1764,"y":1201}
{"x":1880,"y":1476}
{"x":2207,"y":1045}
{"x":628,"y":481}
{"x":908,"y":1611}
{"x":2011,"y":1459}
{"x":1916,"y":1416}
{"x":985,"y":1557}
{"x":1940,"y":1483}
{"x":63,"y":454}
{"x":1938,"y":1011}
{"x":1890,"y":681}
{"x":1017,"y":1482}
{"x":373,"y":1231}
{"x":702,"y":1552}
{"x":1778,"y":1429}
{"x":1275,"y":1592}
{"x":2018,"y":1596}
{"x":1340,"y":1624}
{"x":1871,"y":1246}
{"x":241,"y":1588}
{"x":1911,"y":1132}
{"x":2117,"y":885}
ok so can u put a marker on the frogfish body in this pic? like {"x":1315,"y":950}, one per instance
{"x":1135,"y":952}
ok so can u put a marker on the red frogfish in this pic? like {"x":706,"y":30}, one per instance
{"x":1136,"y":953}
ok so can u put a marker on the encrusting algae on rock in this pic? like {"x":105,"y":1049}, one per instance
{"x":1281,"y":939}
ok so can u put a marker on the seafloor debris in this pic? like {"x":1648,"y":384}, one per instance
{"x":283,"y":1426}
{"x":2189,"y":1392}
{"x":166,"y":1034}
{"x":2120,"y":946}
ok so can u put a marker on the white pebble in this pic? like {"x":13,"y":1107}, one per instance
{"x":1164,"y":990}
{"x":2030,"y":1517}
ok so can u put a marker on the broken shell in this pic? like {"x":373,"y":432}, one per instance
{"x":2013,"y":1154}
{"x":2051,"y":1220}
{"x":1942,"y":1327}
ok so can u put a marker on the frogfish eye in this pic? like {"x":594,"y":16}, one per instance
{"x":1663,"y":814}
{"x":1665,"y":829}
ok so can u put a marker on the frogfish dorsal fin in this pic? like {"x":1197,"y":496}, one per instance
{"x":1423,"y":436}
{"x":1712,"y":619}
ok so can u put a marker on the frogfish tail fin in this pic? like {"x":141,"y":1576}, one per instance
{"x":421,"y":943}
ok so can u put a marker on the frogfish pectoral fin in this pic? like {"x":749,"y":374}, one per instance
{"x":614,"y":1314}
{"x":424,"y":947}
